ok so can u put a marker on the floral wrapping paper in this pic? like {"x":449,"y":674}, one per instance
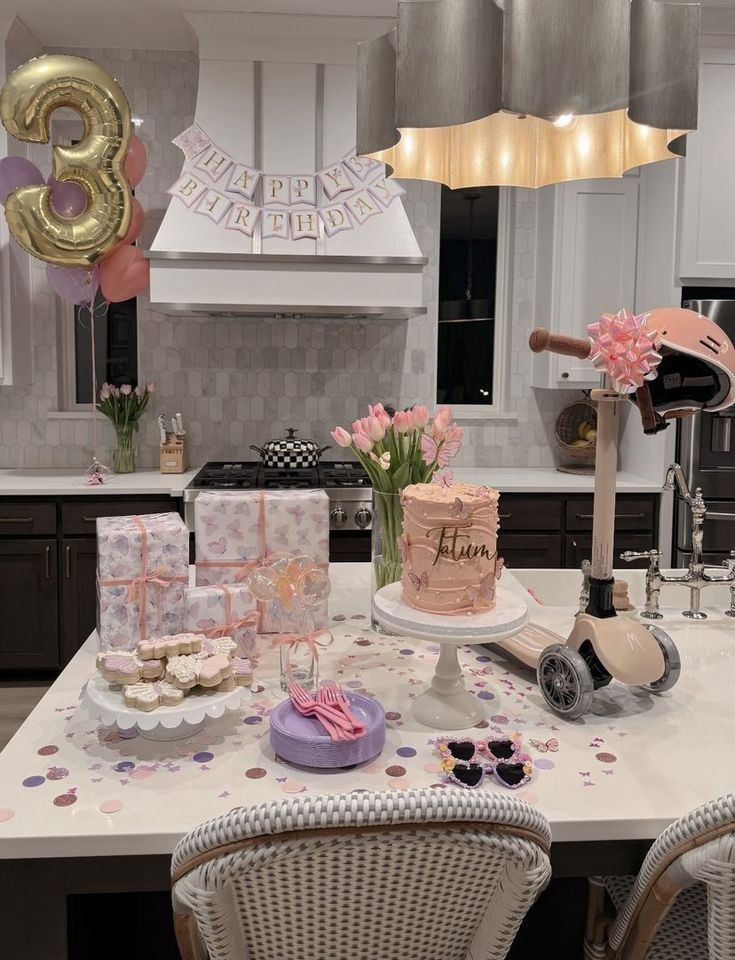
{"x":226,"y":610}
{"x":238,"y":531}
{"x":142,"y":572}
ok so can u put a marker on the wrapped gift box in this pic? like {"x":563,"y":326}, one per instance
{"x":224,"y":611}
{"x":236,"y":532}
{"x":142,"y":572}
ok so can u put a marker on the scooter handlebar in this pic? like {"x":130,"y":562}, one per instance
{"x":542,"y":339}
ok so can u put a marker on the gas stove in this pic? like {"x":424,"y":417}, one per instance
{"x":346,"y":483}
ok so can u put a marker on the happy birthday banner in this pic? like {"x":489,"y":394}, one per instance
{"x":340,"y":197}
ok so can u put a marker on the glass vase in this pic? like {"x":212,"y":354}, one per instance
{"x":123,"y":459}
{"x":387,"y":527}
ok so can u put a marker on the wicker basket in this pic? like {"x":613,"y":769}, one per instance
{"x":566,"y":430}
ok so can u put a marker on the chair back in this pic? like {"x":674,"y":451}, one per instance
{"x":415,"y":875}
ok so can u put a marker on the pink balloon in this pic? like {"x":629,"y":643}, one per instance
{"x":73,"y":284}
{"x":136,"y":223}
{"x":68,"y":199}
{"x":124,"y":274}
{"x":135,"y":161}
{"x":17,"y":172}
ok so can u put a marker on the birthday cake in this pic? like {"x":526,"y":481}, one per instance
{"x":449,"y":548}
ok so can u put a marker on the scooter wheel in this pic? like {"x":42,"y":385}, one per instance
{"x":672,"y":661}
{"x":565,"y":681}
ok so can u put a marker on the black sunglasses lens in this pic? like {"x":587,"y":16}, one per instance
{"x":469,"y":774}
{"x":461,"y":750}
{"x":510,"y":773}
{"x":501,"y":749}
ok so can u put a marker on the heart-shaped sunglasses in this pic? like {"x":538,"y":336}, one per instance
{"x":466,"y":763}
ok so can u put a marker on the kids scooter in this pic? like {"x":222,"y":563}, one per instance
{"x":671,"y":363}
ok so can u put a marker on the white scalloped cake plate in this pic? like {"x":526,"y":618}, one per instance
{"x":109,"y":707}
{"x":509,"y":615}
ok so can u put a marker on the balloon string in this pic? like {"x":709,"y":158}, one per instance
{"x":96,"y":472}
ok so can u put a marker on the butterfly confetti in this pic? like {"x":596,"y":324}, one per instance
{"x":550,"y":746}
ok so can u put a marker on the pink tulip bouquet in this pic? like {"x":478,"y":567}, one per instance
{"x":407,"y":447}
{"x":124,"y":406}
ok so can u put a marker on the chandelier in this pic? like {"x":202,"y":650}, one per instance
{"x":470,"y":94}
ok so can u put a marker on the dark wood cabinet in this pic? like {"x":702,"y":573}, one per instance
{"x":533,"y":550}
{"x":579,"y":547}
{"x":29,"y":639}
{"x":555,"y":530}
{"x":48,"y":567}
{"x":78,"y":593}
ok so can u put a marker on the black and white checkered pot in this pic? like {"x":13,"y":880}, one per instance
{"x":290,"y":453}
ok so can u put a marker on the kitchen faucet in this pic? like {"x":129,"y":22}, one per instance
{"x":695,"y":577}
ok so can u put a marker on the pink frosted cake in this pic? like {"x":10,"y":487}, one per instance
{"x":449,"y":547}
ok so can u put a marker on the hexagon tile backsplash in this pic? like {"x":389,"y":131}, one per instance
{"x":242,"y":381}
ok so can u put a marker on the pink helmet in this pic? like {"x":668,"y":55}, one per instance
{"x":697,"y":368}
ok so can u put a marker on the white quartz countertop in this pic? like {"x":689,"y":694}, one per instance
{"x":50,"y":483}
{"x":547,"y":480}
{"x":70,"y":788}
{"x":65,"y":483}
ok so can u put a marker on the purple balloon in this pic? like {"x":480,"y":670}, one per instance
{"x":73,"y":284}
{"x":68,"y":199}
{"x":17,"y":172}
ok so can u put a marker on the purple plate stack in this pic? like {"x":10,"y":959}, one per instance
{"x":302,"y":740}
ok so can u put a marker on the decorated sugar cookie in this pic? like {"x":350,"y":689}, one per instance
{"x":242,"y":669}
{"x":190,"y":671}
{"x":123,"y":667}
{"x":170,"y":646}
{"x":212,"y":646}
{"x":148,"y":696}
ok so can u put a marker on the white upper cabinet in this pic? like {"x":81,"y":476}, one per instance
{"x":585,"y":266}
{"x":707,"y":224}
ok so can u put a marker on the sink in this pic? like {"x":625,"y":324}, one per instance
{"x":561,"y":588}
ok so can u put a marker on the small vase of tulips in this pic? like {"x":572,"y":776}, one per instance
{"x":124,"y":406}
{"x":397,"y":449}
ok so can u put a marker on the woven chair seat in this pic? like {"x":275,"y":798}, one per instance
{"x":683,"y":934}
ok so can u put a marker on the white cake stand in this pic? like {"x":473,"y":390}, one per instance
{"x":163,"y":723}
{"x":447,"y":704}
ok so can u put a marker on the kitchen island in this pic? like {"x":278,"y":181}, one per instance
{"x":83,"y":809}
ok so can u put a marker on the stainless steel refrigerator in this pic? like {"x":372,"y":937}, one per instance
{"x":706,"y":451}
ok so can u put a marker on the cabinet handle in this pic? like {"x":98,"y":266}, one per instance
{"x":68,"y":562}
{"x":16,"y":519}
{"x":48,"y":563}
{"x":504,"y":516}
{"x":618,"y":516}
{"x":89,"y":519}
{"x":712,"y":515}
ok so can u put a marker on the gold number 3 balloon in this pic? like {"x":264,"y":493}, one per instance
{"x":27,"y":100}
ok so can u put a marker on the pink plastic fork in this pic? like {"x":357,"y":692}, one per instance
{"x":331,"y":694}
{"x":333,"y":721}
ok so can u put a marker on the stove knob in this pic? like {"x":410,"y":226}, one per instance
{"x":338,"y":516}
{"x":363,"y":517}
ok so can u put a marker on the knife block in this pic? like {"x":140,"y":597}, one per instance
{"x":173,"y":453}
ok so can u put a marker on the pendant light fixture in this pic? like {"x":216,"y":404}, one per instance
{"x":541,"y":91}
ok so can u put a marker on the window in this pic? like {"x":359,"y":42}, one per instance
{"x":116,"y":347}
{"x":116,"y":324}
{"x":475,"y":235}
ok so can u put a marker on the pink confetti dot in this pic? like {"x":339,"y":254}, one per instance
{"x":48,"y":750}
{"x":140,"y":774}
{"x":111,"y":806}
{"x":432,"y":768}
{"x":606,"y":757}
{"x":6,"y":814}
{"x":372,"y":768}
{"x":398,"y":783}
{"x":293,"y":786}
{"x":65,"y":800}
{"x":529,"y":796}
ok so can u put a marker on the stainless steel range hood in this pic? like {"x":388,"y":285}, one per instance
{"x":279,"y":93}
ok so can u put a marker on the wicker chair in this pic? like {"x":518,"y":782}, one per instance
{"x":416,"y":875}
{"x":681,"y":906}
